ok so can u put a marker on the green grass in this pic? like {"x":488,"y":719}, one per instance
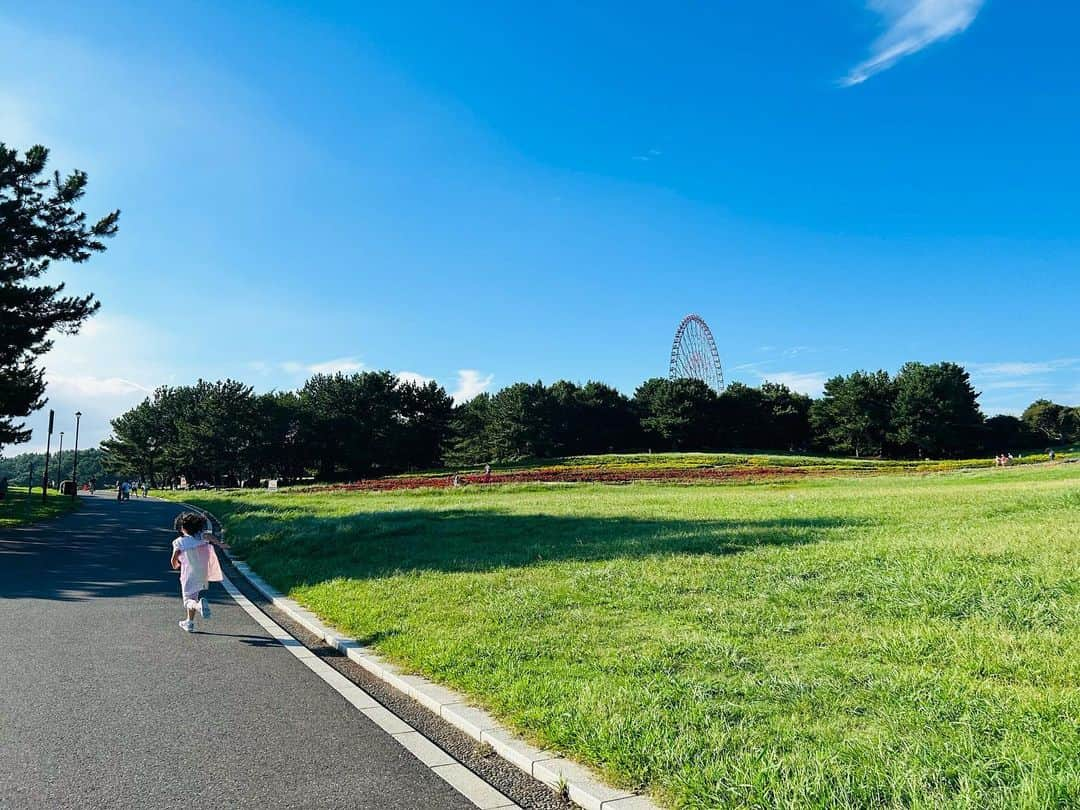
{"x":833,"y":641}
{"x":20,"y":508}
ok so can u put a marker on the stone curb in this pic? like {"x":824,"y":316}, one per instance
{"x":582,"y":786}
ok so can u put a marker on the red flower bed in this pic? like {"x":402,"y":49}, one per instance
{"x":569,"y":475}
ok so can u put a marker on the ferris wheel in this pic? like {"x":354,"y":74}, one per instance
{"x":694,"y":355}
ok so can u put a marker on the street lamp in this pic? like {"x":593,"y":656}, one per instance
{"x":75,"y":461}
{"x":59,"y":461}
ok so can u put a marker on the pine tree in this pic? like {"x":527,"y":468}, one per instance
{"x":38,"y":225}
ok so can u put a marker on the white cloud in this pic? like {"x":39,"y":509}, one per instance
{"x":102,"y":372}
{"x":470,"y":383}
{"x":1013,"y":385}
{"x":87,"y":385}
{"x":912,"y":26}
{"x":1023,"y":369}
{"x":413,"y":377}
{"x":343,"y":365}
{"x":812,"y":382}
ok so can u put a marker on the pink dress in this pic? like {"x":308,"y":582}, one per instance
{"x":199,"y":567}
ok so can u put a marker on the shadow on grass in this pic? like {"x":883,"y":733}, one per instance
{"x":304,"y":549}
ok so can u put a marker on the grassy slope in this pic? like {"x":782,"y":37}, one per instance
{"x":891,"y":641}
{"x":20,"y":509}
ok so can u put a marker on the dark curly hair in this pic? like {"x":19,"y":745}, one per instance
{"x":190,"y":523}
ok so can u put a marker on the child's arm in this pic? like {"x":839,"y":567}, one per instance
{"x":175,"y":560}
{"x":215,"y":540}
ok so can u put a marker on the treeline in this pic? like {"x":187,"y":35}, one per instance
{"x":373,"y":423}
{"x":31,"y":466}
{"x":335,"y":426}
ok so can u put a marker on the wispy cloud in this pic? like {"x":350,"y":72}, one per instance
{"x":471,"y":382}
{"x":1012,"y":384}
{"x":911,"y":26}
{"x":1023,"y":369}
{"x":414,"y":377}
{"x":645,"y":157}
{"x":804,"y":382}
{"x":343,"y":365}
{"x":87,"y":385}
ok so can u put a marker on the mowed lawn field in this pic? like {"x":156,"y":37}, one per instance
{"x":21,"y":508}
{"x":886,"y":641}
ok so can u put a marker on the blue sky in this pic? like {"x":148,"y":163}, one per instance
{"x":499,"y":192}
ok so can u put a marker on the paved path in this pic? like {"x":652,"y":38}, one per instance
{"x":105,"y":702}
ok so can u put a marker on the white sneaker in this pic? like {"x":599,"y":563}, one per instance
{"x":187,"y":625}
{"x":204,"y":608}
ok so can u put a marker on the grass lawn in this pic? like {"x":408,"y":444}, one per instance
{"x":885,"y":641}
{"x":20,"y":508}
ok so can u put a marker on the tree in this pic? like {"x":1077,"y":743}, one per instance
{"x":39,"y":224}
{"x":1003,"y":434}
{"x":347,"y":423}
{"x":854,"y":414}
{"x":19,"y":468}
{"x":786,"y":414}
{"x":741,"y":420}
{"x":135,"y":448}
{"x":424,"y":418}
{"x":203,"y":432}
{"x":1054,"y":423}
{"x":608,"y":423}
{"x":566,"y":418}
{"x":519,"y":423}
{"x":274,"y":450}
{"x":936,"y":411}
{"x":469,"y":434}
{"x":678,"y":414}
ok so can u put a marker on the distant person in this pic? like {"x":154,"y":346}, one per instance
{"x":193,"y":554}
{"x":1052,"y":454}
{"x":3,"y":487}
{"x":92,"y":484}
{"x":145,"y":489}
{"x":125,"y":490}
{"x":487,"y":473}
{"x":119,"y":491}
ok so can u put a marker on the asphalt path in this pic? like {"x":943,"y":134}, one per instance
{"x":105,"y":702}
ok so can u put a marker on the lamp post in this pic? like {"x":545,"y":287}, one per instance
{"x":59,"y":461}
{"x":75,"y":461}
{"x":45,"y":475}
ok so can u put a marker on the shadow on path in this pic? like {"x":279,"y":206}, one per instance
{"x":103,"y":549}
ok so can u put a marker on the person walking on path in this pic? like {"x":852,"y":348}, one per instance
{"x":193,"y":554}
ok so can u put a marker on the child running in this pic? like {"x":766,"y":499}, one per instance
{"x":193,"y":553}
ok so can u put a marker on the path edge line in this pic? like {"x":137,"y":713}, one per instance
{"x":581,"y":785}
{"x":472,"y":786}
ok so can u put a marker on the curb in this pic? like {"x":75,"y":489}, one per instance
{"x":581,"y":785}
